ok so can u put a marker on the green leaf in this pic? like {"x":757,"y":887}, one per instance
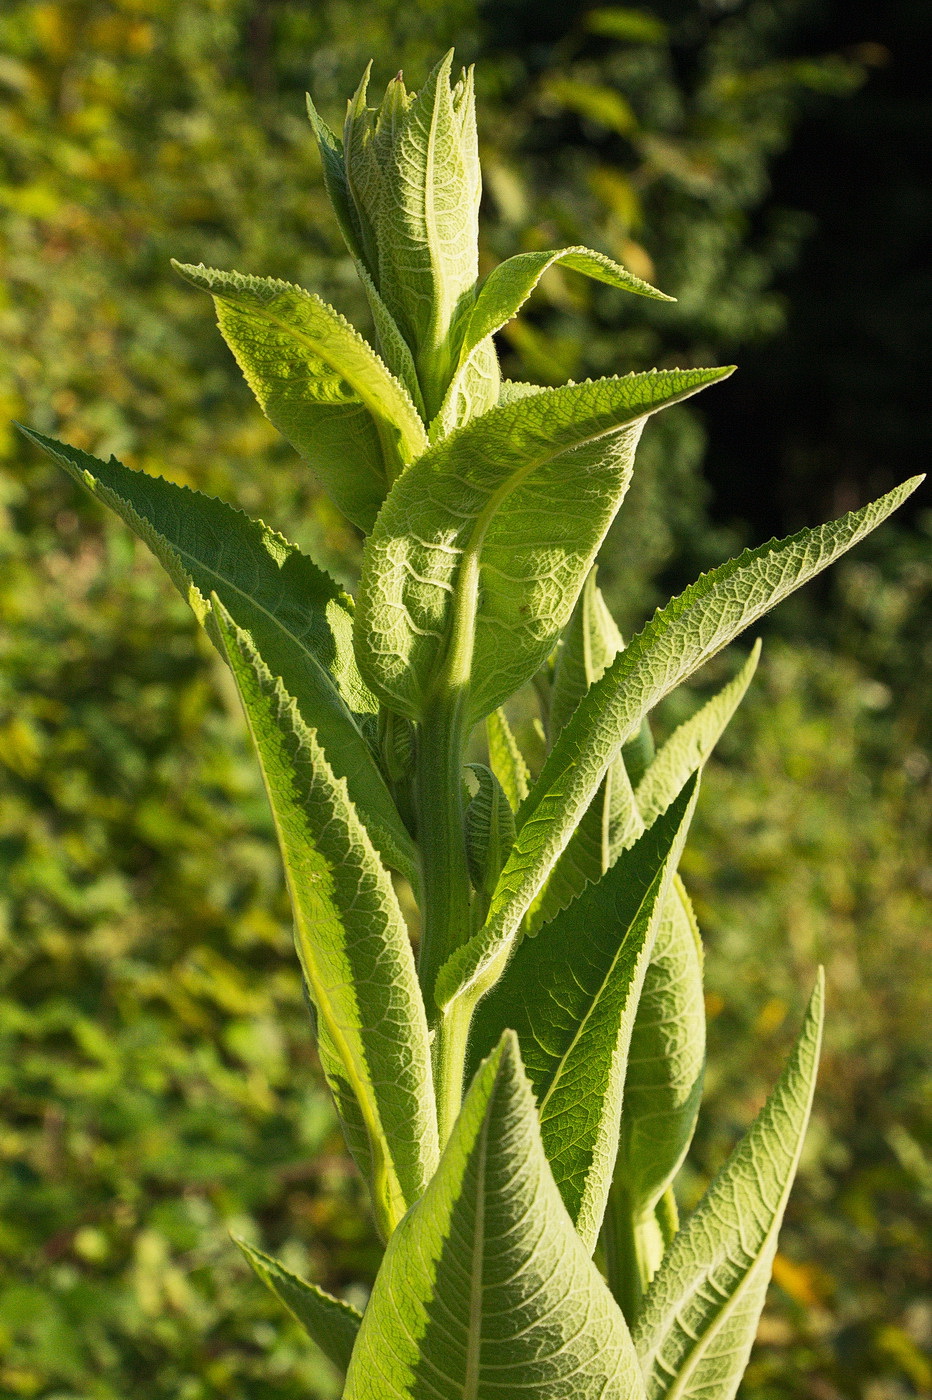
{"x":481,"y":549}
{"x":412,"y":171}
{"x":686,"y":633}
{"x":490,"y":829}
{"x":506,"y":759}
{"x":351,"y":936}
{"x":571,"y":994}
{"x":330,"y":1323}
{"x":690,"y":745}
{"x":701,"y":1311}
{"x":486,"y":1291}
{"x":501,"y":297}
{"x":590,"y":644}
{"x":298,"y":615}
{"x":320,"y":383}
{"x":666,"y":1059}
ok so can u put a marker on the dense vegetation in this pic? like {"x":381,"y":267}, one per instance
{"x":150,"y":1004}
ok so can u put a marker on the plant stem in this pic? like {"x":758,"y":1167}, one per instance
{"x":633,"y":1249}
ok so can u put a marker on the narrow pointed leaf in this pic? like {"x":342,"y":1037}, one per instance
{"x":506,"y":759}
{"x":666,"y":1059}
{"x":320,"y":383}
{"x":351,"y":936}
{"x":328,"y":1321}
{"x":486,"y":1292}
{"x":571,"y":994}
{"x":701,"y":1312}
{"x":490,"y":829}
{"x":298,"y":614}
{"x":690,"y":745}
{"x":590,"y":643}
{"x":490,"y":534}
{"x":686,"y":633}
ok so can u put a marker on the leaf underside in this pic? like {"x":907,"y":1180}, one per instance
{"x":328,"y":1321}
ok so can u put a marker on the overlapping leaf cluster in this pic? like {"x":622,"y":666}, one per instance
{"x":518,"y":1092}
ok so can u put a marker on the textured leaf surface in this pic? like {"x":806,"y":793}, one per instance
{"x":328,"y":1321}
{"x":502,"y":295}
{"x":691,"y":743}
{"x":490,"y":829}
{"x":320,"y":383}
{"x":571,"y":994}
{"x":665,"y":1060}
{"x":301,"y":618}
{"x":486,"y":1292}
{"x":481,"y":549}
{"x":686,"y":633}
{"x":351,"y":937}
{"x":701,"y":1311}
{"x":506,"y":759}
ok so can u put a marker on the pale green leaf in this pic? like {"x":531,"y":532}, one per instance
{"x":351,"y":936}
{"x":328,"y":1321}
{"x":700,"y":1313}
{"x":301,"y":618}
{"x":320,"y":383}
{"x":690,"y":745}
{"x":481,"y":549}
{"x":506,"y":759}
{"x":686,"y":633}
{"x":571,"y":994}
{"x":500,"y":298}
{"x":486,"y":1291}
{"x":666,"y":1059}
{"x":590,"y":643}
{"x":490,"y":829}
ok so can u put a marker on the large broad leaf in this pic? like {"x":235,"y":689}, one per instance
{"x":298,"y":615}
{"x":691,"y":743}
{"x":665,"y":1061}
{"x":571,"y":994}
{"x":502,"y":295}
{"x":486,"y":1291}
{"x":686,"y":633}
{"x":320,"y":383}
{"x":351,"y":937}
{"x":701,"y":1311}
{"x":480,"y":551}
{"x":328,"y":1321}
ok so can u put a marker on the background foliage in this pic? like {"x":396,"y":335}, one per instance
{"x":156,"y":1076}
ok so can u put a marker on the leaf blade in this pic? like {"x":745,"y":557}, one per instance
{"x":485,"y":1288}
{"x":328,"y":1321}
{"x":700,"y":1312}
{"x":571,"y":994}
{"x":303,"y":617}
{"x":350,"y":933}
{"x":686,"y":633}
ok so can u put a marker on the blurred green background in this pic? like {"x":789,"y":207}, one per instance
{"x":763,"y":160}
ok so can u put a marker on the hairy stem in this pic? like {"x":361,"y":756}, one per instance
{"x":633,"y":1247}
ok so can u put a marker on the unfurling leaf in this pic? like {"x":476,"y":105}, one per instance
{"x":328,"y":1321}
{"x":486,"y":1291}
{"x":351,"y":938}
{"x":702,"y":1309}
{"x":490,"y":829}
{"x":320,"y":383}
{"x":480,"y":551}
{"x":686,"y":633}
{"x":506,"y":759}
{"x":298,"y":615}
{"x":571,"y":994}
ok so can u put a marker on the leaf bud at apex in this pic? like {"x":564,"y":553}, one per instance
{"x":413,"y":180}
{"x":490,"y":830}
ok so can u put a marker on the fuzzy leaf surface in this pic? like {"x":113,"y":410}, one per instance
{"x":571,"y":994}
{"x":320,"y":383}
{"x":486,"y":1291}
{"x":351,"y":936}
{"x":298,"y":614}
{"x":691,"y":743}
{"x":480,"y":551}
{"x":701,"y":1311}
{"x":328,"y":1321}
{"x":506,"y":760}
{"x":679,"y":638}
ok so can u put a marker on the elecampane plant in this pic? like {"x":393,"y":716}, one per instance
{"x":519,"y":1080}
